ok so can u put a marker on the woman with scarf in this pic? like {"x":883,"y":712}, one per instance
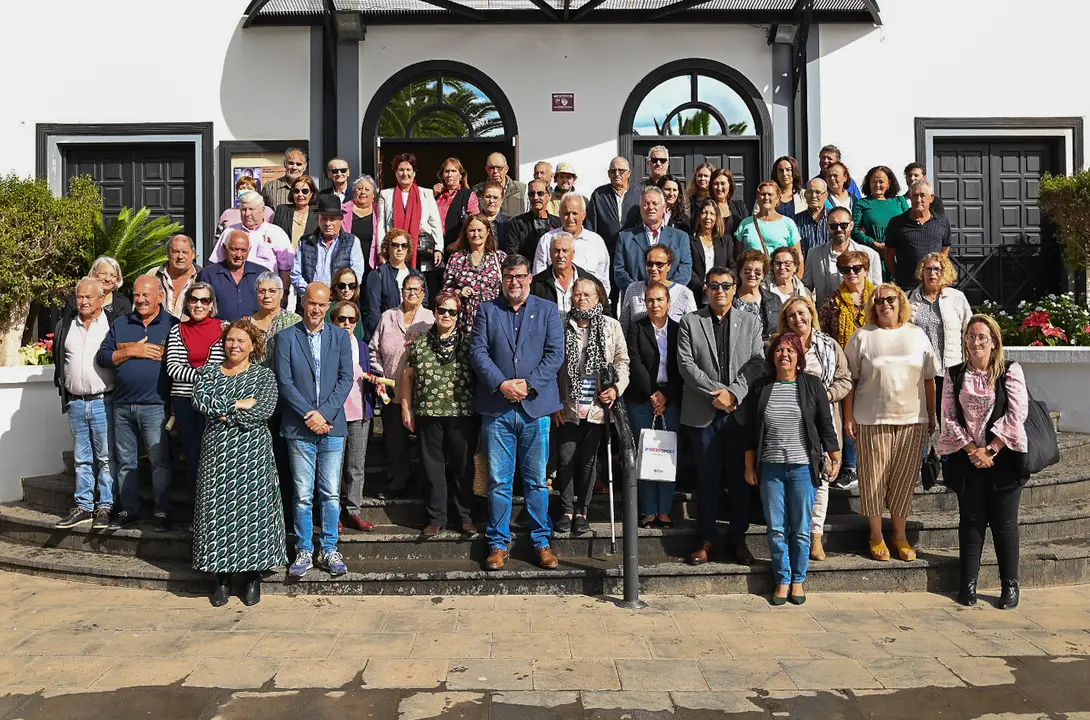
{"x":592,"y":342}
{"x":411,"y":208}
{"x":190,"y":346}
{"x":826,"y":361}
{"x":437,"y":404}
{"x":473,"y":269}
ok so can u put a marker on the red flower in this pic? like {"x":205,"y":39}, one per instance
{"x":1036,"y":342}
{"x":1086,"y":329}
{"x":1054,"y":332}
{"x":1039,"y":318}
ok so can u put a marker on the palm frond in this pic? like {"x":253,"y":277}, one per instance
{"x":135,"y":241}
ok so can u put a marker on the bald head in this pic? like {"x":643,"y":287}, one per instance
{"x":147,"y":293}
{"x":496,"y":168}
{"x":236,"y":249}
{"x":315,"y":305}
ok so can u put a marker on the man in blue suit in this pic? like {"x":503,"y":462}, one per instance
{"x":314,"y":370}
{"x":517,"y":349}
{"x":632,"y":243}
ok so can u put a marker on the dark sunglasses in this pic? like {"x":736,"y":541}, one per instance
{"x":346,"y":286}
{"x":449,"y":312}
{"x":301,"y":191}
{"x":658,"y":161}
{"x":201,"y":301}
{"x":839,"y":226}
{"x":850,"y":269}
{"x":657,"y":264}
{"x":346,"y":318}
{"x":724,"y":286}
{"x":399,"y":244}
{"x":887,"y":300}
{"x":338,"y":171}
{"x":617,"y":171}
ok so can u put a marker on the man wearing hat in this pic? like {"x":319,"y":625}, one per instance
{"x":327,"y":249}
{"x":565,"y":183}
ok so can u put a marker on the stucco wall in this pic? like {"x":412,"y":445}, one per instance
{"x":33,"y":432}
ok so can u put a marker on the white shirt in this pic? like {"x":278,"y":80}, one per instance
{"x":590,"y":254}
{"x":660,"y":338}
{"x":401,"y":275}
{"x":82,"y":375}
{"x":563,"y":297}
{"x":270,"y":246}
{"x":653,"y":235}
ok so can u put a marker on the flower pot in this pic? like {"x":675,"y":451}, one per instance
{"x":11,"y":334}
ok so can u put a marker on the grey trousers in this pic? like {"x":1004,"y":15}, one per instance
{"x":355,"y":459}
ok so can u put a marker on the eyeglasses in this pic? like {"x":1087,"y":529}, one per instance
{"x":352,"y":319}
{"x":346,"y":286}
{"x":338,"y":171}
{"x":657,"y":264}
{"x":617,"y":171}
{"x":301,"y":191}
{"x":936,"y":270}
{"x":839,"y":226}
{"x":268,"y":291}
{"x":412,"y":291}
{"x":887,"y":300}
{"x":714,"y":286}
{"x":850,"y":269}
{"x":516,"y":277}
{"x":396,"y":245}
{"x":537,"y":193}
{"x":982,"y":339}
{"x":814,"y":193}
{"x":658,"y":161}
{"x":449,"y":312}
{"x":784,"y":263}
{"x":206,"y":301}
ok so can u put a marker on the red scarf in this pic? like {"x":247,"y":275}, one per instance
{"x":407,"y":217}
{"x":199,"y":337}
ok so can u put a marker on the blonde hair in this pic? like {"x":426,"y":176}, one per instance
{"x":814,"y":326}
{"x":949,"y":272}
{"x":997,"y":364}
{"x":904,"y":309}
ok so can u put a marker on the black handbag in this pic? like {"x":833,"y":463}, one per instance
{"x":929,"y":470}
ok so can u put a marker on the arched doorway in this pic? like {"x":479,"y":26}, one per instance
{"x":702,"y":111}
{"x":435,"y":110}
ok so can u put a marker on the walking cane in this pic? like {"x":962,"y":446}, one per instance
{"x":609,"y":470}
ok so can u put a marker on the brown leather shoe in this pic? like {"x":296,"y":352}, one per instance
{"x":547,"y":559}
{"x":742,"y":555}
{"x":496,"y":559}
{"x":468,"y":530}
{"x":702,"y":554}
{"x":430,"y":531}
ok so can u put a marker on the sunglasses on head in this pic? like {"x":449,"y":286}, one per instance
{"x":850,"y":269}
{"x":346,"y":318}
{"x":657,"y":264}
{"x":346,"y":286}
{"x":839,"y":226}
{"x":207,"y":301}
{"x":449,"y":312}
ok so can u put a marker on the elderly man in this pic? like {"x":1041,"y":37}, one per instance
{"x":658,"y":164}
{"x":915,"y":234}
{"x":914,"y":173}
{"x":86,"y":390}
{"x":544,"y":171}
{"x":234,"y":278}
{"x":565,"y":183}
{"x":811,"y":222}
{"x":270,"y":246}
{"x":177,"y":274}
{"x":524,"y":231}
{"x":327,"y":250}
{"x":135,"y":350}
{"x":719,"y":355}
{"x":278,"y":192}
{"x":590,"y":249}
{"x":615,"y":205}
{"x":514,"y":192}
{"x":315,"y":373}
{"x":632,"y":243}
{"x":555,"y":282}
{"x":517,"y":350}
{"x":822,"y":275}
{"x":337,"y":171}
{"x":829,"y":155}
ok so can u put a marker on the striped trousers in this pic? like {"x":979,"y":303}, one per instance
{"x":889,"y":466}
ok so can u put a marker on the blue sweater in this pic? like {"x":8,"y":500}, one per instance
{"x":138,"y":381}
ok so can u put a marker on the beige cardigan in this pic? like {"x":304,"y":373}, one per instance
{"x":616,"y":355}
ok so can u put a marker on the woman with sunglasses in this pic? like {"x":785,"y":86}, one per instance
{"x":191,"y":345}
{"x":437,"y":388}
{"x":752,"y":296}
{"x":345,"y":286}
{"x":361,"y":220}
{"x":473,"y":269}
{"x":298,"y":218}
{"x":385,"y":282}
{"x":844,"y":311}
{"x":658,"y":259}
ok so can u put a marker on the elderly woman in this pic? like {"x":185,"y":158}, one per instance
{"x":456,"y":202}
{"x":711,"y":246}
{"x":940,"y":311}
{"x":385,"y":283}
{"x":473,"y":269}
{"x":752,"y":296}
{"x":844,"y":311}
{"x":358,"y":410}
{"x":191,"y":345}
{"x":675,"y":213}
{"x":361,"y":220}
{"x":106,"y":270}
{"x":890,"y":412}
{"x":345,"y":286}
{"x":658,"y":259}
{"x":592,"y":342}
{"x":984,"y":408}
{"x":411,"y":208}
{"x":768,"y":229}
{"x":784,"y":281}
{"x":232,"y":216}
{"x":826,"y":361}
{"x":437,"y":404}
{"x":298,"y":217}
{"x":791,"y":442}
{"x":397,"y":328}
{"x":838,"y":179}
{"x":654,"y":395}
{"x":237,"y":526}
{"x":883,"y":201}
{"x":789,"y":186}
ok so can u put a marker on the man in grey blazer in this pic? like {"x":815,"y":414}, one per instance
{"x":719,"y":356}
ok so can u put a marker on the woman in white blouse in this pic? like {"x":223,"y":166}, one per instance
{"x":409,"y":207}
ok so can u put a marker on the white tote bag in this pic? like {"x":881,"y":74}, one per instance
{"x":658,"y":453}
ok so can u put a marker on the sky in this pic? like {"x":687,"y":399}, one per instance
{"x":675,"y":91}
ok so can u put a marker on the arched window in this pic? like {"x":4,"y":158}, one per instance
{"x":693,"y":104}
{"x":440,"y":106}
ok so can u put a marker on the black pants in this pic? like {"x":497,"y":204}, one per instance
{"x":395,"y":441}
{"x":982,"y":506}
{"x":283,"y":470}
{"x":447,"y":445}
{"x":720,"y":455}
{"x":577,"y":464}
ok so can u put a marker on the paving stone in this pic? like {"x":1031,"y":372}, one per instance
{"x":829,"y":674}
{"x":742,"y":674}
{"x":474,"y":674}
{"x":852,"y":621}
{"x":318,"y":673}
{"x":144,"y":671}
{"x":916,"y":643}
{"x":710,"y":621}
{"x":482,"y":604}
{"x":784,"y":619}
{"x":531,"y":645}
{"x":1062,"y":671}
{"x":993,"y":643}
{"x":912,"y":673}
{"x":637,"y":621}
{"x":726,"y":702}
{"x":767,"y":644}
{"x":493,"y":622}
{"x":579,"y":623}
{"x":61,"y":642}
{"x":930,"y":703}
{"x":50,"y":617}
{"x":981,"y":671}
{"x":463,"y":705}
{"x":277,"y":620}
{"x":202,"y":643}
{"x":1062,"y":642}
{"x":238,"y":673}
{"x":139,"y":643}
{"x":338,"y":620}
{"x":603,"y":645}
{"x":401,"y":673}
{"x":988,"y":618}
{"x":60,"y":671}
{"x":286,"y":645}
{"x":373,"y":645}
{"x":867,"y":601}
{"x":11,"y":638}
{"x":660,"y":675}
{"x":933,"y":620}
{"x":841,"y":644}
{"x":581,"y":674}
{"x":535,"y":705}
{"x":625,"y":705}
{"x":127,"y":618}
{"x":1057,"y":618}
{"x":452,"y":645}
{"x":826,"y":705}
{"x":1053,"y":699}
{"x":672,"y":603}
{"x":202,"y":619}
{"x":688,"y":645}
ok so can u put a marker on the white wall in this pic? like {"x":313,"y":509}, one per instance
{"x":33,"y":432}
{"x":948,"y":58}
{"x":600,"y":64}
{"x":140,"y":61}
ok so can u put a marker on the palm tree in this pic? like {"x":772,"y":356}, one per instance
{"x":463,"y":99}
{"x":138,"y":245}
{"x":698,"y":124}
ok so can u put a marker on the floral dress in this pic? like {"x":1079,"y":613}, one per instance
{"x":441,"y":390}
{"x":238,"y":521}
{"x":484,"y":279}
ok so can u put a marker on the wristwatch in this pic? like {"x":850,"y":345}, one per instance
{"x":991,"y":451}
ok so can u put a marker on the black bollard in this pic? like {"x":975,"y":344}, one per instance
{"x":630,"y":521}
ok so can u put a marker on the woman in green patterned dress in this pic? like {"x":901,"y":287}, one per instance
{"x":237,"y":521}
{"x":437,"y":404}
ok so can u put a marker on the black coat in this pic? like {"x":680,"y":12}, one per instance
{"x":724,"y":257}
{"x":602,"y":213}
{"x":643,"y":356}
{"x":285,"y":214}
{"x":456,"y":215}
{"x":69,"y":314}
{"x":817,"y":417}
{"x":380,"y":294}
{"x":521,"y":237}
{"x":543,"y":286}
{"x":738,"y":212}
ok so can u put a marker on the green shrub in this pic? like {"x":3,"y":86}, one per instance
{"x":1065,"y":199}
{"x":1053,"y":320}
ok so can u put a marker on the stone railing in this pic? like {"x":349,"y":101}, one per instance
{"x":33,"y":431}
{"x":1059,"y":377}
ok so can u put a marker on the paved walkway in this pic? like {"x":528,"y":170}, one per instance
{"x":78,"y":650}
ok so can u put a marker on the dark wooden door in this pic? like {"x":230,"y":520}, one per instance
{"x":161,"y":177}
{"x":741,"y":157}
{"x":430,"y":155}
{"x":1003,"y":250}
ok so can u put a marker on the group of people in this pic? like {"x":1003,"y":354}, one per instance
{"x":502,"y":322}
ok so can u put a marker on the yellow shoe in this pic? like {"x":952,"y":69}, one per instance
{"x":904,"y":550}
{"x":879,"y":551}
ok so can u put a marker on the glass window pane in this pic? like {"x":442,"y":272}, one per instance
{"x":659,"y":103}
{"x":695,"y":122}
{"x":728,"y":102}
{"x":404,"y":105}
{"x":440,"y":124}
{"x":475,"y":105}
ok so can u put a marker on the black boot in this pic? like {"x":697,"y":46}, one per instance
{"x":222,"y":591}
{"x":251,"y":592}
{"x":1008,"y":598}
{"x":967,"y":594}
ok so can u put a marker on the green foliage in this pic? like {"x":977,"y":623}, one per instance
{"x":138,"y":245}
{"x":483,"y":118}
{"x":1054,"y":320}
{"x":698,"y":124}
{"x":1065,"y":199}
{"x":42,"y":239}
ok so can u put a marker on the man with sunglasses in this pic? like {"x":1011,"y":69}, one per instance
{"x":326,"y":250}
{"x":821,"y":273}
{"x":524,"y":231}
{"x":658,"y":164}
{"x":337,"y":171}
{"x":615,"y":205}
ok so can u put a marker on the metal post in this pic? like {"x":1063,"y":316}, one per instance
{"x":630,"y":541}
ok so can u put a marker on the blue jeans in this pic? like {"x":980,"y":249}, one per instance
{"x":91,"y":422}
{"x":316,"y":463}
{"x":656,"y":498}
{"x":787,"y":493}
{"x":135,"y":425}
{"x":516,"y":434}
{"x":190,"y":431}
{"x":720,"y":457}
{"x":851,"y":456}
